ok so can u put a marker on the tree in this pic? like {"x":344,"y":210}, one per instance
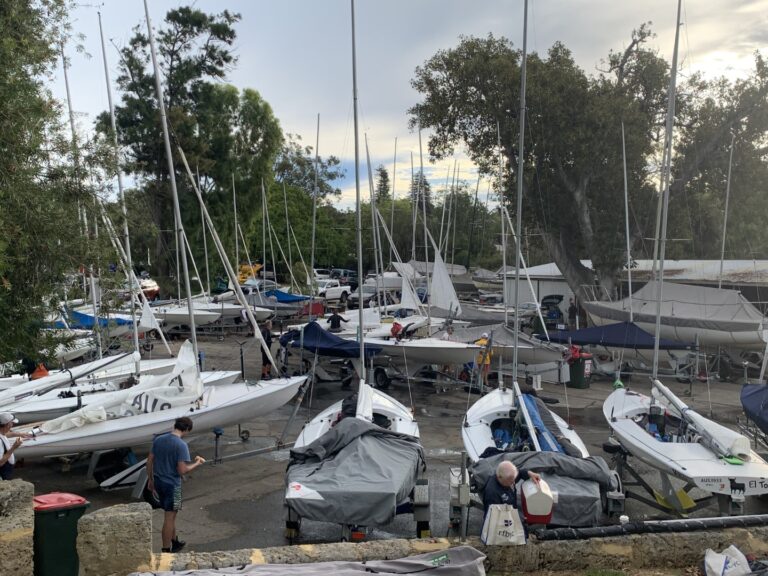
{"x":295,"y":165}
{"x":42,"y":241}
{"x":421,"y":192}
{"x":382,"y":184}
{"x":573,"y":176}
{"x":194,"y":51}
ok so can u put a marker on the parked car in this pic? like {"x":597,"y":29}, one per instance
{"x":322,"y":273}
{"x":338,"y":292}
{"x":369,"y":297}
{"x":345,"y":276}
{"x":324,"y":285}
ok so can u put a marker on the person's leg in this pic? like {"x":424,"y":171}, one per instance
{"x":169,"y":528}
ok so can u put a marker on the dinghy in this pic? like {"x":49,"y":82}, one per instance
{"x":665,"y":433}
{"x":132,"y":417}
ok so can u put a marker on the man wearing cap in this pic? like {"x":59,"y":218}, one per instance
{"x":7,"y":458}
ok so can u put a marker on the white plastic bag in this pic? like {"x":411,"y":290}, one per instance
{"x":503,"y":527}
{"x":730,"y":562}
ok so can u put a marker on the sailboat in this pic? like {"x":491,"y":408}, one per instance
{"x":663,"y":431}
{"x":359,"y":460}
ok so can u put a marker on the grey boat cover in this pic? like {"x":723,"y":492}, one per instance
{"x":356,"y":473}
{"x":578,"y":482}
{"x":459,"y":561}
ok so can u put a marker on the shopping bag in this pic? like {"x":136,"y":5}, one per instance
{"x":730,"y":562}
{"x":502,"y":526}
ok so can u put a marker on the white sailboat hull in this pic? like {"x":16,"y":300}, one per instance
{"x":685,"y":459}
{"x":400,"y":417}
{"x":172,"y":316}
{"x":424,"y":351}
{"x":221,"y":405}
{"x":477,"y":435}
{"x":50,"y":405}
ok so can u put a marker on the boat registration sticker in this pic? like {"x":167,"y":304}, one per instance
{"x":298,"y":491}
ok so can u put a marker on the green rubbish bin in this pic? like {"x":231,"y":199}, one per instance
{"x":580,"y":368}
{"x":55,"y":537}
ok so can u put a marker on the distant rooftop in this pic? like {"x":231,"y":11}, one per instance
{"x":735,"y":272}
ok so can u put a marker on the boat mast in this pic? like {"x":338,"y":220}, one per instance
{"x":237,"y":237}
{"x":626,"y":222}
{"x":314,"y":221}
{"x":520,"y":162}
{"x":172,"y":177}
{"x":413,"y":211}
{"x":667,"y":169}
{"x":126,"y":235}
{"x":426,"y":244}
{"x":392,"y":212}
{"x":263,"y":235}
{"x":358,"y":216}
{"x":725,"y":215}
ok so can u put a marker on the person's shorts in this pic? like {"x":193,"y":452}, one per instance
{"x":169,"y":495}
{"x":265,"y":359}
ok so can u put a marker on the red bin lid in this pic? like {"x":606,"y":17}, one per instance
{"x":56,"y":500}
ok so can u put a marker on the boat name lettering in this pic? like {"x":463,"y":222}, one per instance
{"x":758,"y":483}
{"x":141,"y":401}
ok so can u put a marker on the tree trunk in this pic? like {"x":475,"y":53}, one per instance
{"x":577,"y":275}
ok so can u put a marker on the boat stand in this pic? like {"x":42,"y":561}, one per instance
{"x":668,"y":500}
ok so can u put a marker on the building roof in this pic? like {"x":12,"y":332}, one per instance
{"x":735,"y":272}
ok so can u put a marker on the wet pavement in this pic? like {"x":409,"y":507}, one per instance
{"x":239,"y":503}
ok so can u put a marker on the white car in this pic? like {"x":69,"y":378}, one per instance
{"x":324,"y":285}
{"x":336,"y":291}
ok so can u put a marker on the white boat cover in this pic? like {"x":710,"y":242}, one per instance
{"x":180,"y":387}
{"x":459,"y":561}
{"x":577,"y":481}
{"x":688,"y":306}
{"x":356,"y":473}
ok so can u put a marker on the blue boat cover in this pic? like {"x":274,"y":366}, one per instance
{"x":547,"y":440}
{"x":85,"y":321}
{"x":619,"y":335}
{"x":754,"y":400}
{"x":322,"y":342}
{"x":284,"y":297}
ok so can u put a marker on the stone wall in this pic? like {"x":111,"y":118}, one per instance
{"x":115,"y":540}
{"x":17,"y":522}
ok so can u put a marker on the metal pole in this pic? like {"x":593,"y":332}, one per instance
{"x":426,"y":244}
{"x":358,"y":217}
{"x":392,"y":212}
{"x":520,"y":163}
{"x":172,"y":177}
{"x":666,"y":178}
{"x":626,"y":214}
{"x":725,"y":216}
{"x":126,"y":235}
{"x":314,"y":222}
{"x":234,"y":208}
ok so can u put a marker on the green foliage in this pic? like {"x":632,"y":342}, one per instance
{"x":40,"y":194}
{"x":382,"y":184}
{"x":295,"y":165}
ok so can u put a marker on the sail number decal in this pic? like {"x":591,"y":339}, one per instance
{"x":141,"y":402}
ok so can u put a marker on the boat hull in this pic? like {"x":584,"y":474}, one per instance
{"x":221,"y":405}
{"x":687,"y":460}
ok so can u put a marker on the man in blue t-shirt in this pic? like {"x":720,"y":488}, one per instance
{"x":167,"y":463}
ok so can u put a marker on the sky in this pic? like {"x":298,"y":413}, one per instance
{"x":298,"y":55}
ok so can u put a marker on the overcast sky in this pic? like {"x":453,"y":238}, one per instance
{"x":297,"y":54}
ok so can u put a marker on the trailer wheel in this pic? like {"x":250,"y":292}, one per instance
{"x":245,"y":435}
{"x":380,"y":379}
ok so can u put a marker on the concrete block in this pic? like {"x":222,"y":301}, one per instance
{"x":116,"y":540}
{"x":18,"y":524}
